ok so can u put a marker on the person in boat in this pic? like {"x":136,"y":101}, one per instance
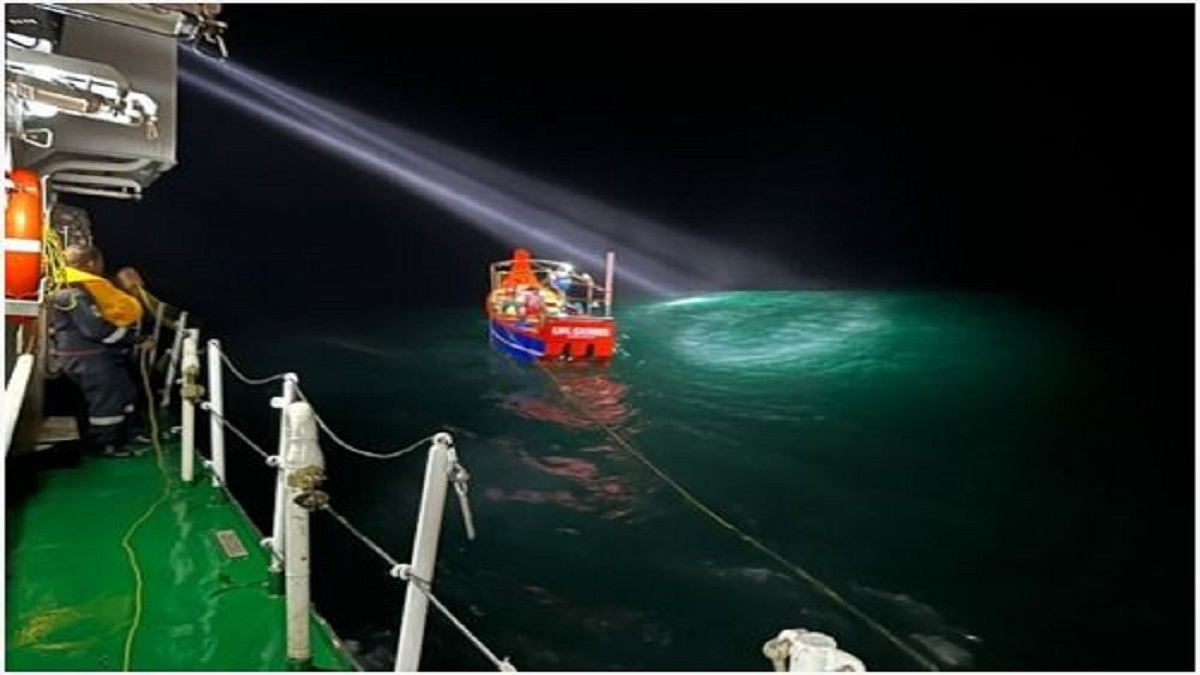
{"x":577,"y":304}
{"x":506,"y":302}
{"x":94,"y":326}
{"x":560,"y":280}
{"x":532,"y":305}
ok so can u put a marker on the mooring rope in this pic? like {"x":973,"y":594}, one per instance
{"x":709,"y":512}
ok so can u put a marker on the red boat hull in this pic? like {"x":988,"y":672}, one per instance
{"x":593,"y":339}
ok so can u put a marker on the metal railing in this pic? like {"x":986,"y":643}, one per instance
{"x":299,"y":473}
{"x":584,"y":287}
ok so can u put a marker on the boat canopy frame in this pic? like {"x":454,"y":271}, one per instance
{"x":584,"y":287}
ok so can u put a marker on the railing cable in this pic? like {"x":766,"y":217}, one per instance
{"x":207,"y":463}
{"x":360,"y":536}
{"x":422,"y":585}
{"x":358,"y":451}
{"x":252,"y":381}
{"x":404,"y":572}
{"x":205,"y":405}
{"x":397,"y":569}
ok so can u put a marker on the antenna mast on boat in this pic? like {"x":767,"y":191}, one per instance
{"x":610,"y":261}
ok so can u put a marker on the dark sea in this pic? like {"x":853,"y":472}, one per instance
{"x":987,"y":481}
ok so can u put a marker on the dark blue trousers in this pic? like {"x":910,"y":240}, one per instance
{"x":110,"y":395}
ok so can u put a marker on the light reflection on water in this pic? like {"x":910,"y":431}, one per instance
{"x":778,"y":332}
{"x":841,"y":428}
{"x":586,"y":398}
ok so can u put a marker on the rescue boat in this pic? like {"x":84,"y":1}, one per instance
{"x":545,"y":310}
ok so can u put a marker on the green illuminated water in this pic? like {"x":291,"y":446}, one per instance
{"x":967,"y":471}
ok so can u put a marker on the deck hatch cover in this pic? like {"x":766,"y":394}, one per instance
{"x":230,"y":543}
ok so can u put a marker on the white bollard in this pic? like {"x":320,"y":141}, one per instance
{"x":797,"y":650}
{"x":302,"y":459}
{"x":190,"y":365}
{"x":278,"y":540}
{"x":216,"y":402}
{"x":176,"y":346}
{"x":425,"y":543}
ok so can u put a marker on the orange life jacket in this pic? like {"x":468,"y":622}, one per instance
{"x":116,"y":306}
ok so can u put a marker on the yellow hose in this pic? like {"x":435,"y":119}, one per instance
{"x":126,"y":541}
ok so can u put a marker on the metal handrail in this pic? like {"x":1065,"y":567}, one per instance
{"x":300,"y":470}
{"x":546,"y":265}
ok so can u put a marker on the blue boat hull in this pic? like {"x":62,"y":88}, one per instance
{"x":520,"y":346}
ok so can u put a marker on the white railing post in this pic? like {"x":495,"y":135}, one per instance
{"x":610,"y":262}
{"x":176,"y":346}
{"x":14,"y":396}
{"x":278,"y":539}
{"x":189,"y":393}
{"x":216,"y":402}
{"x":304,"y":470}
{"x":425,"y":543}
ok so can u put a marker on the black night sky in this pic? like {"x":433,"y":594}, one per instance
{"x":1036,"y":149}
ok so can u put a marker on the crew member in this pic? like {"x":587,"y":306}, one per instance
{"x":94,"y":325}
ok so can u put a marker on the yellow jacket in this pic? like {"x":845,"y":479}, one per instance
{"x":116,"y":306}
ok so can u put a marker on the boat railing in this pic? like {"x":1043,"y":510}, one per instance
{"x":591,"y":298}
{"x":299,"y":467}
{"x":545,"y":268}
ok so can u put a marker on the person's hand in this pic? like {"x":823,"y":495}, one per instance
{"x":128,"y":278}
{"x":146,"y":345}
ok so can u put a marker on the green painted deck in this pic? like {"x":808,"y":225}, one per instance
{"x":70,"y":586}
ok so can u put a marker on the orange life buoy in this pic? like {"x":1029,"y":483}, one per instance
{"x":23,"y":235}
